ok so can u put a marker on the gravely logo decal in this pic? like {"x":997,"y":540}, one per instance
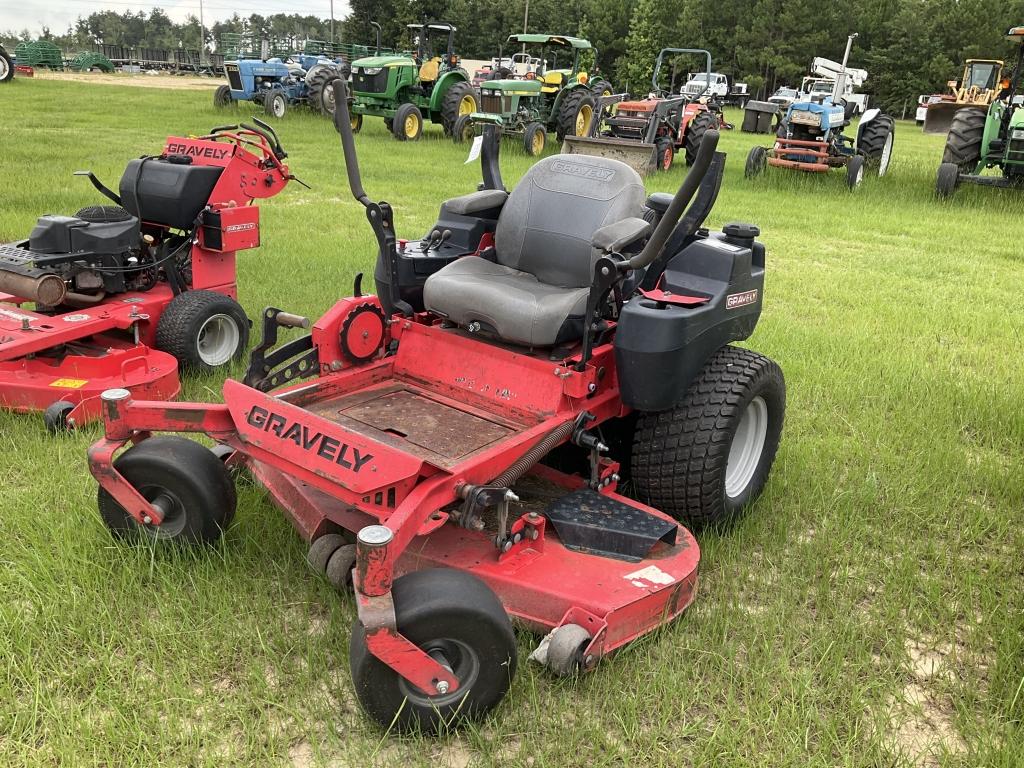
{"x":737,"y":300}
{"x":189,"y":149}
{"x":325,"y":447}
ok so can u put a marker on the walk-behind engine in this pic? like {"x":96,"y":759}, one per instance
{"x":155,"y":270}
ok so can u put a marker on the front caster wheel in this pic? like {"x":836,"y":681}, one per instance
{"x":186,"y":481}
{"x":458,"y":620}
{"x":709,"y":457}
{"x":55,"y":417}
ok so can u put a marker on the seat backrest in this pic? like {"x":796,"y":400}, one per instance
{"x":547,"y":223}
{"x":430,"y":69}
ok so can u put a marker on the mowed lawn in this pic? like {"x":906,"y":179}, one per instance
{"x":867,"y":611}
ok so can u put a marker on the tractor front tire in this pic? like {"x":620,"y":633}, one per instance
{"x":275,"y":104}
{"x":575,"y":114}
{"x":705,"y":460}
{"x":534,"y":138}
{"x":876,"y":142}
{"x":191,"y":486}
{"x":454,"y":616}
{"x":963,"y":142}
{"x":665,"y":153}
{"x":463,"y":129}
{"x":204,"y":330}
{"x":947,"y":180}
{"x":701,"y":123}
{"x":757,"y":160}
{"x":461,"y":99}
{"x":855,"y":172}
{"x":407,"y":124}
{"x":222,"y":97}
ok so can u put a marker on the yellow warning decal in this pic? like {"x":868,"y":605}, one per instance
{"x":69,"y":383}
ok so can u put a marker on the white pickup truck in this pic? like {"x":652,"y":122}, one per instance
{"x":715,"y":84}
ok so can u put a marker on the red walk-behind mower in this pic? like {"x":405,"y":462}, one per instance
{"x":452,"y":448}
{"x":125,"y":294}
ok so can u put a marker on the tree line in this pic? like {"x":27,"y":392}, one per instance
{"x":909,"y":47}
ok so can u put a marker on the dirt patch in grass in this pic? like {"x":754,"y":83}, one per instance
{"x":142,"y":80}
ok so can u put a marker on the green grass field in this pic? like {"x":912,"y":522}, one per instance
{"x":866,"y":612}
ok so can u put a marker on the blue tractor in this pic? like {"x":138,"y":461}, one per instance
{"x":277,"y":84}
{"x":811,"y":136}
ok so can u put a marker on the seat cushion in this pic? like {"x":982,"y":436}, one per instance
{"x":513,"y":305}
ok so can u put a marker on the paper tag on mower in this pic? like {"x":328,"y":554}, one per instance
{"x":474,"y":151}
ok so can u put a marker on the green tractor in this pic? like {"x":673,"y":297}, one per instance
{"x":406,"y":89}
{"x":994,"y":139}
{"x":538,"y":97}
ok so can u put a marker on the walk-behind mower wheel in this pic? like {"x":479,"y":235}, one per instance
{"x":182,"y":478}
{"x":757,"y":159}
{"x":855,"y":171}
{"x":534,"y":138}
{"x":575,"y":114}
{"x":706,"y":459}
{"x":947,"y":179}
{"x":55,"y":417}
{"x":963,"y":142}
{"x":204,"y":330}
{"x":463,"y":129}
{"x":408,"y":123}
{"x":459,"y":100}
{"x":458,"y":620}
{"x":701,"y":123}
{"x":222,"y":96}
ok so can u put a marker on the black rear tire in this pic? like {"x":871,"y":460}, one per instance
{"x":876,"y":143}
{"x":574,"y":104}
{"x":601,"y":87}
{"x":320,"y":94}
{"x":701,"y":123}
{"x":204,"y":330}
{"x":757,"y":160}
{"x":190,"y":482}
{"x":6,"y":66}
{"x":453,"y":104}
{"x":963,"y":142}
{"x":452,"y":613}
{"x":681,"y":457}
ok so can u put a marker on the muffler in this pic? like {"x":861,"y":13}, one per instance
{"x":46,"y":289}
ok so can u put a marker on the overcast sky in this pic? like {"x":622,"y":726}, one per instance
{"x":59,"y":14}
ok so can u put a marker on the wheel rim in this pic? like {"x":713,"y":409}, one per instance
{"x":4,"y":68}
{"x":328,"y":98}
{"x":747,"y":447}
{"x":354,"y":122}
{"x":217,"y":340}
{"x":537,"y":143}
{"x":173,"y":512}
{"x":410,"y":127}
{"x":583,"y":119}
{"x":455,"y":656}
{"x":883,"y":161}
{"x":666,"y":161}
{"x":467,"y":106}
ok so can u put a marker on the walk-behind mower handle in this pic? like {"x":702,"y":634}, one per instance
{"x":343,"y":124}
{"x":708,"y":144}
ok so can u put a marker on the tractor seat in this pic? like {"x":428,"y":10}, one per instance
{"x":535,"y":290}
{"x":430,"y":69}
{"x":552,"y":81}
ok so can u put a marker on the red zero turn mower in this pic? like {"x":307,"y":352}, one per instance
{"x":125,"y":294}
{"x":452,"y":448}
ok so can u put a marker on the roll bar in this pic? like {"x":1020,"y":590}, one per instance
{"x":706,"y":152}
{"x":697,"y":51}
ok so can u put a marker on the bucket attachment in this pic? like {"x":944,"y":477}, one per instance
{"x":939,"y":115}
{"x":640,"y":156}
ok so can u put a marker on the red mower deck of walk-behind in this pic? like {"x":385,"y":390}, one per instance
{"x":102,"y":280}
{"x":457,"y":475}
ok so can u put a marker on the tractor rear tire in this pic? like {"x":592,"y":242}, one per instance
{"x":601,"y":87}
{"x":963,"y":142}
{"x":320,"y":93}
{"x":407,"y":124}
{"x":701,"y":123}
{"x":204,"y":330}
{"x":876,"y":143}
{"x":575,"y":114}
{"x":534,"y":139}
{"x":461,"y":99}
{"x":705,"y":460}
{"x":757,"y":160}
{"x":463,"y":129}
{"x":6,"y":66}
{"x":194,"y":486}
{"x":222,"y":97}
{"x":275,"y":104}
{"x":947,"y":180}
{"x":451,"y":614}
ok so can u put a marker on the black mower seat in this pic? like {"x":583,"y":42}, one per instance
{"x":535,"y":291}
